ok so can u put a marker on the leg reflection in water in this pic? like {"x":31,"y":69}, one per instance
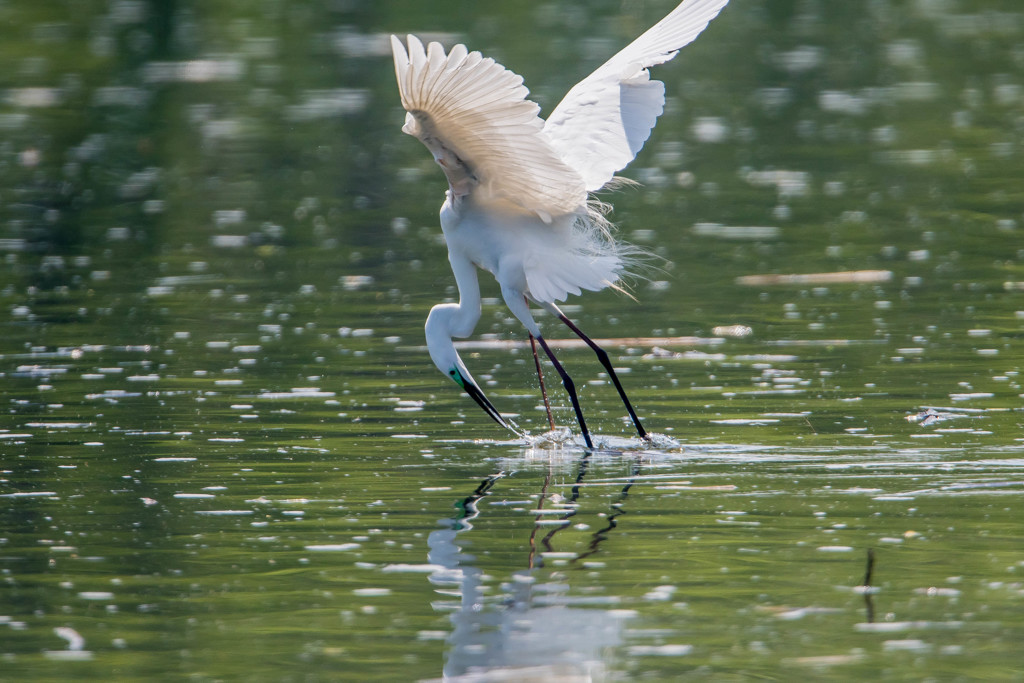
{"x":529,"y":626}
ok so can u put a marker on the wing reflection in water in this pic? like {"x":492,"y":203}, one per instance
{"x":532,"y":629}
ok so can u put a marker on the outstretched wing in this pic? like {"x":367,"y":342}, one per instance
{"x":606,"y":118}
{"x":473,"y":115}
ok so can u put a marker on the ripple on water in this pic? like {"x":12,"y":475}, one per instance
{"x":224,"y":513}
{"x":907,"y":645}
{"x":412,"y":568}
{"x":898,"y":626}
{"x":96,"y":595}
{"x":295,"y":393}
{"x":68,"y":655}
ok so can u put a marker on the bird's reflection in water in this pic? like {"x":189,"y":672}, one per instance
{"x":531,"y":630}
{"x":571,"y":508}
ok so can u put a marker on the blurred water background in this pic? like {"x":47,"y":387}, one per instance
{"x":225,"y":454}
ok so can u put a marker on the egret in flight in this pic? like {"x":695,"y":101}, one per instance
{"x":518,"y":186}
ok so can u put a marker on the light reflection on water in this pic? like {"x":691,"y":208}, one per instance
{"x":549,"y":540}
{"x":547,"y":620}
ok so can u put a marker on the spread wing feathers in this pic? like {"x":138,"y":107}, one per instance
{"x":603,"y":122}
{"x":473,"y":115}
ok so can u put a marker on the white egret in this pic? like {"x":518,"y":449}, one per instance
{"x":517,"y":200}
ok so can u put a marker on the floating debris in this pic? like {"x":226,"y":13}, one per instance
{"x":618,"y":342}
{"x":660,"y":650}
{"x":735,"y":331}
{"x":838,"y":277}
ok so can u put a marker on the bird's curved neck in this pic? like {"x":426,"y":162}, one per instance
{"x":465,"y":315}
{"x":454,"y":320}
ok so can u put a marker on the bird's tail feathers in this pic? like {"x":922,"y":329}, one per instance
{"x":591,"y":258}
{"x":596,"y":238}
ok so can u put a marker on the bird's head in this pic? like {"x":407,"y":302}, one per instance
{"x":447,"y":359}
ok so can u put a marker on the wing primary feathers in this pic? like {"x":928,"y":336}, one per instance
{"x":474,"y":116}
{"x":606,"y":118}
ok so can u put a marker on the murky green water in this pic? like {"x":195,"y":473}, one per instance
{"x":226,"y":455}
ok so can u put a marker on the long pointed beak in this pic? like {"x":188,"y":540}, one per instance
{"x":474,"y":392}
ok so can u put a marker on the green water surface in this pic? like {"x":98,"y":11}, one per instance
{"x":226,"y":455}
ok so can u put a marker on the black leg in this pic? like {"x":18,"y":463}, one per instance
{"x":570,"y":388}
{"x":602,"y":356}
{"x":540,"y":377}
